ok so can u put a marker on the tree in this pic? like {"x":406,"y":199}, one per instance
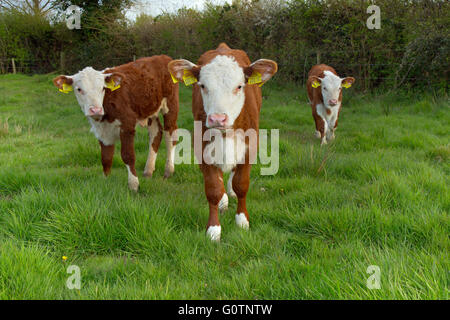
{"x":33,"y":7}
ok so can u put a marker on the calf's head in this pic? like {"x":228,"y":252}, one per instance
{"x":222,"y":83}
{"x":331,"y":87}
{"x":89,"y":86}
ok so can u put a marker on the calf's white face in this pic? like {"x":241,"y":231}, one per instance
{"x":331,"y":87}
{"x":222,"y":84}
{"x":89,"y":86}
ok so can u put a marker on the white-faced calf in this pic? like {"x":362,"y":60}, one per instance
{"x":223,"y":98}
{"x":116,"y":99}
{"x":325,"y":96}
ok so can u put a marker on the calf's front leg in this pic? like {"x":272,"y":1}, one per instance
{"x":129,"y":158}
{"x":215,"y":192}
{"x":241,"y":182}
{"x":154,"y":134}
{"x":321,"y":127}
{"x":107,"y":157}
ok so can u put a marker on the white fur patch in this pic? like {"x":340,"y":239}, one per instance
{"x":213,"y":233}
{"x":163,"y":107}
{"x":106,"y":132}
{"x":133,"y":181}
{"x":226,"y":152}
{"x":221,"y":78}
{"x":241,"y":221}
{"x":150,"y":164}
{"x":230,"y":190}
{"x":223,"y":203}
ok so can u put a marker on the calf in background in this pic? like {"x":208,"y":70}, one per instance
{"x":325,"y":96}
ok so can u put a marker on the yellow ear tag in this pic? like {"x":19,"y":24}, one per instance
{"x":255,"y":78}
{"x":66,"y":88}
{"x":315,"y":84}
{"x":188,"y":77}
{"x":175,"y":80}
{"x":346,"y":85}
{"x":112,"y":86}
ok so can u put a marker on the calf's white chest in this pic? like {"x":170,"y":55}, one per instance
{"x":329,"y":118}
{"x":225,"y":152}
{"x":106,"y":132}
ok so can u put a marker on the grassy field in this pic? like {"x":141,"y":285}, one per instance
{"x":378,"y":195}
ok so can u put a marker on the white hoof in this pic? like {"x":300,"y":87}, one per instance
{"x":332,"y":136}
{"x":317,"y":134}
{"x":213,"y":233}
{"x":324,"y":140}
{"x":133,"y":181}
{"x":223,"y":203}
{"x":241,"y":221}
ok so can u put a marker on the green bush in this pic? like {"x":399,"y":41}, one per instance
{"x":413,"y":39}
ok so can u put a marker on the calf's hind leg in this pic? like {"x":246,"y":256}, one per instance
{"x":170,"y":127}
{"x":129,"y":158}
{"x":154,"y":135}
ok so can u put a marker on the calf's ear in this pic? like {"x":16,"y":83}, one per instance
{"x":184,"y":70}
{"x":113,"y":80}
{"x":347,"y":82}
{"x":260,"y":71}
{"x":314,"y":81}
{"x":63,"y":83}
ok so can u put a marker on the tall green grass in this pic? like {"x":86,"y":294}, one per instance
{"x":378,"y":195}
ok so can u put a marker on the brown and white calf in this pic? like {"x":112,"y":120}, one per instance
{"x":325,"y":96}
{"x":116,"y":99}
{"x":224,"y":99}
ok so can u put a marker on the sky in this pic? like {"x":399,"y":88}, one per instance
{"x":155,"y":7}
